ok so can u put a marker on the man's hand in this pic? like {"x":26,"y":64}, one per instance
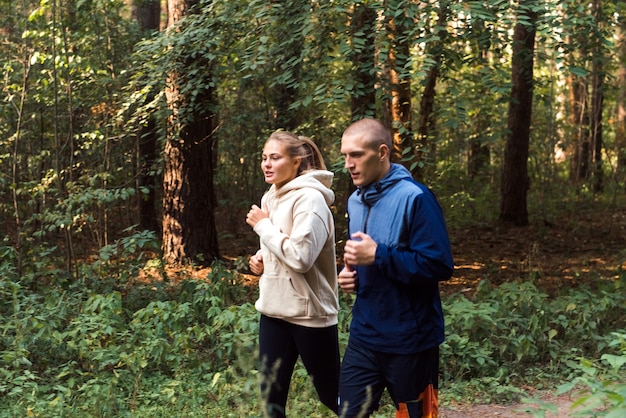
{"x":348,"y":280}
{"x":360,"y":250}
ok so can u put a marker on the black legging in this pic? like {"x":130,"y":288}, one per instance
{"x":280,"y":343}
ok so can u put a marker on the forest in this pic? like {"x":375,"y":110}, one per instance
{"x":130,"y":146}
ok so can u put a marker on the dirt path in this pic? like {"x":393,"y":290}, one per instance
{"x":519,"y":410}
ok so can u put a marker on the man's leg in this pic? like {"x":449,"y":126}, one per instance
{"x":413,"y":382}
{"x":360,"y":382}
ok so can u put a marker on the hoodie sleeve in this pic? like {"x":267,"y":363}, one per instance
{"x":428,"y":259}
{"x":300,"y":249}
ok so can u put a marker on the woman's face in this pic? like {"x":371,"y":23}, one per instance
{"x":278,"y":168}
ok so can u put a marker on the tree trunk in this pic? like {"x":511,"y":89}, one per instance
{"x":426,"y":123}
{"x":597,"y":102}
{"x":515,"y":182}
{"x":620,"y":123}
{"x":399,"y":104}
{"x":363,"y":57}
{"x":189,"y":203}
{"x":579,"y":120}
{"x":148,"y":15}
{"x":479,"y":153}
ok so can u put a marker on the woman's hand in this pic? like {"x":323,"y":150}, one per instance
{"x":256,"y":264}
{"x":255,"y":214}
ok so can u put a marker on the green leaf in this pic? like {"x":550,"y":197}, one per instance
{"x":615,"y":361}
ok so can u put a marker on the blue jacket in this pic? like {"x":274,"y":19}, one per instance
{"x":398,"y":306}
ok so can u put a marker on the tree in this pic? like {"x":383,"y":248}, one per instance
{"x":189,"y":203}
{"x":435,"y":50}
{"x":363,"y":58}
{"x":597,"y":99}
{"x":578,"y":116}
{"x":515,"y":182}
{"x":148,"y":15}
{"x":620,"y":128}
{"x":479,"y":152}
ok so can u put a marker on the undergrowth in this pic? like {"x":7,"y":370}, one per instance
{"x":109,"y":345}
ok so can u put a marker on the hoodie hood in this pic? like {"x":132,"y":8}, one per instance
{"x":371,"y":193}
{"x":320,"y":180}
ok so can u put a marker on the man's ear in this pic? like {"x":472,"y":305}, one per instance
{"x":383,"y":151}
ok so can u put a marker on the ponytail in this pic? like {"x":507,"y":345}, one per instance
{"x":312,"y":158}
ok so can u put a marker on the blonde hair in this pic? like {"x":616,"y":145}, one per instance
{"x":300,"y":147}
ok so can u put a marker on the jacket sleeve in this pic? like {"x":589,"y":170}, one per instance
{"x":428,"y":258}
{"x":299,"y":249}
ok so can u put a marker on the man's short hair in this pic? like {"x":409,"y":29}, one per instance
{"x":373,"y":131}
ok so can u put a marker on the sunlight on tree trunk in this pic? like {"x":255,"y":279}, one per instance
{"x":398,"y":105}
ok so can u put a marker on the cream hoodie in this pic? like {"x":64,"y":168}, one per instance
{"x":299,"y":281}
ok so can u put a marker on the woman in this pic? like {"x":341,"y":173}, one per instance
{"x":298,"y":298}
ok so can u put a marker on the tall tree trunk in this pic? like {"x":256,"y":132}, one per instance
{"x":597,"y":101}
{"x":189,"y":203}
{"x":148,"y":15}
{"x":515,"y":182}
{"x":426,"y":123}
{"x":579,"y":148}
{"x":363,"y":58}
{"x":620,"y":123}
{"x":397,"y":69}
{"x":479,"y":154}
{"x":579,"y":123}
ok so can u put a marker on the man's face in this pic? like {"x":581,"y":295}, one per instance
{"x":366,"y":165}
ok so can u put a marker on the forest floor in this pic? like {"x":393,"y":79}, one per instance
{"x":581,"y":247}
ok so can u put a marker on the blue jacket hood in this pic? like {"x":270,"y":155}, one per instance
{"x":371,"y":193}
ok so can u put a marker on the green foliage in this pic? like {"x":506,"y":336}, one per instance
{"x":84,"y":333}
{"x":597,"y":386}
{"x":501,"y":335}
{"x":83,"y":353}
{"x":116,"y":346}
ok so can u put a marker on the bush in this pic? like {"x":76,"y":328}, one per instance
{"x":119,"y":347}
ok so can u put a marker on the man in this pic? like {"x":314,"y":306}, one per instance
{"x":398,"y":253}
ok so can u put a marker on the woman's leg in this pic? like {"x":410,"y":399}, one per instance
{"x":319,"y":351}
{"x":278,"y":355}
